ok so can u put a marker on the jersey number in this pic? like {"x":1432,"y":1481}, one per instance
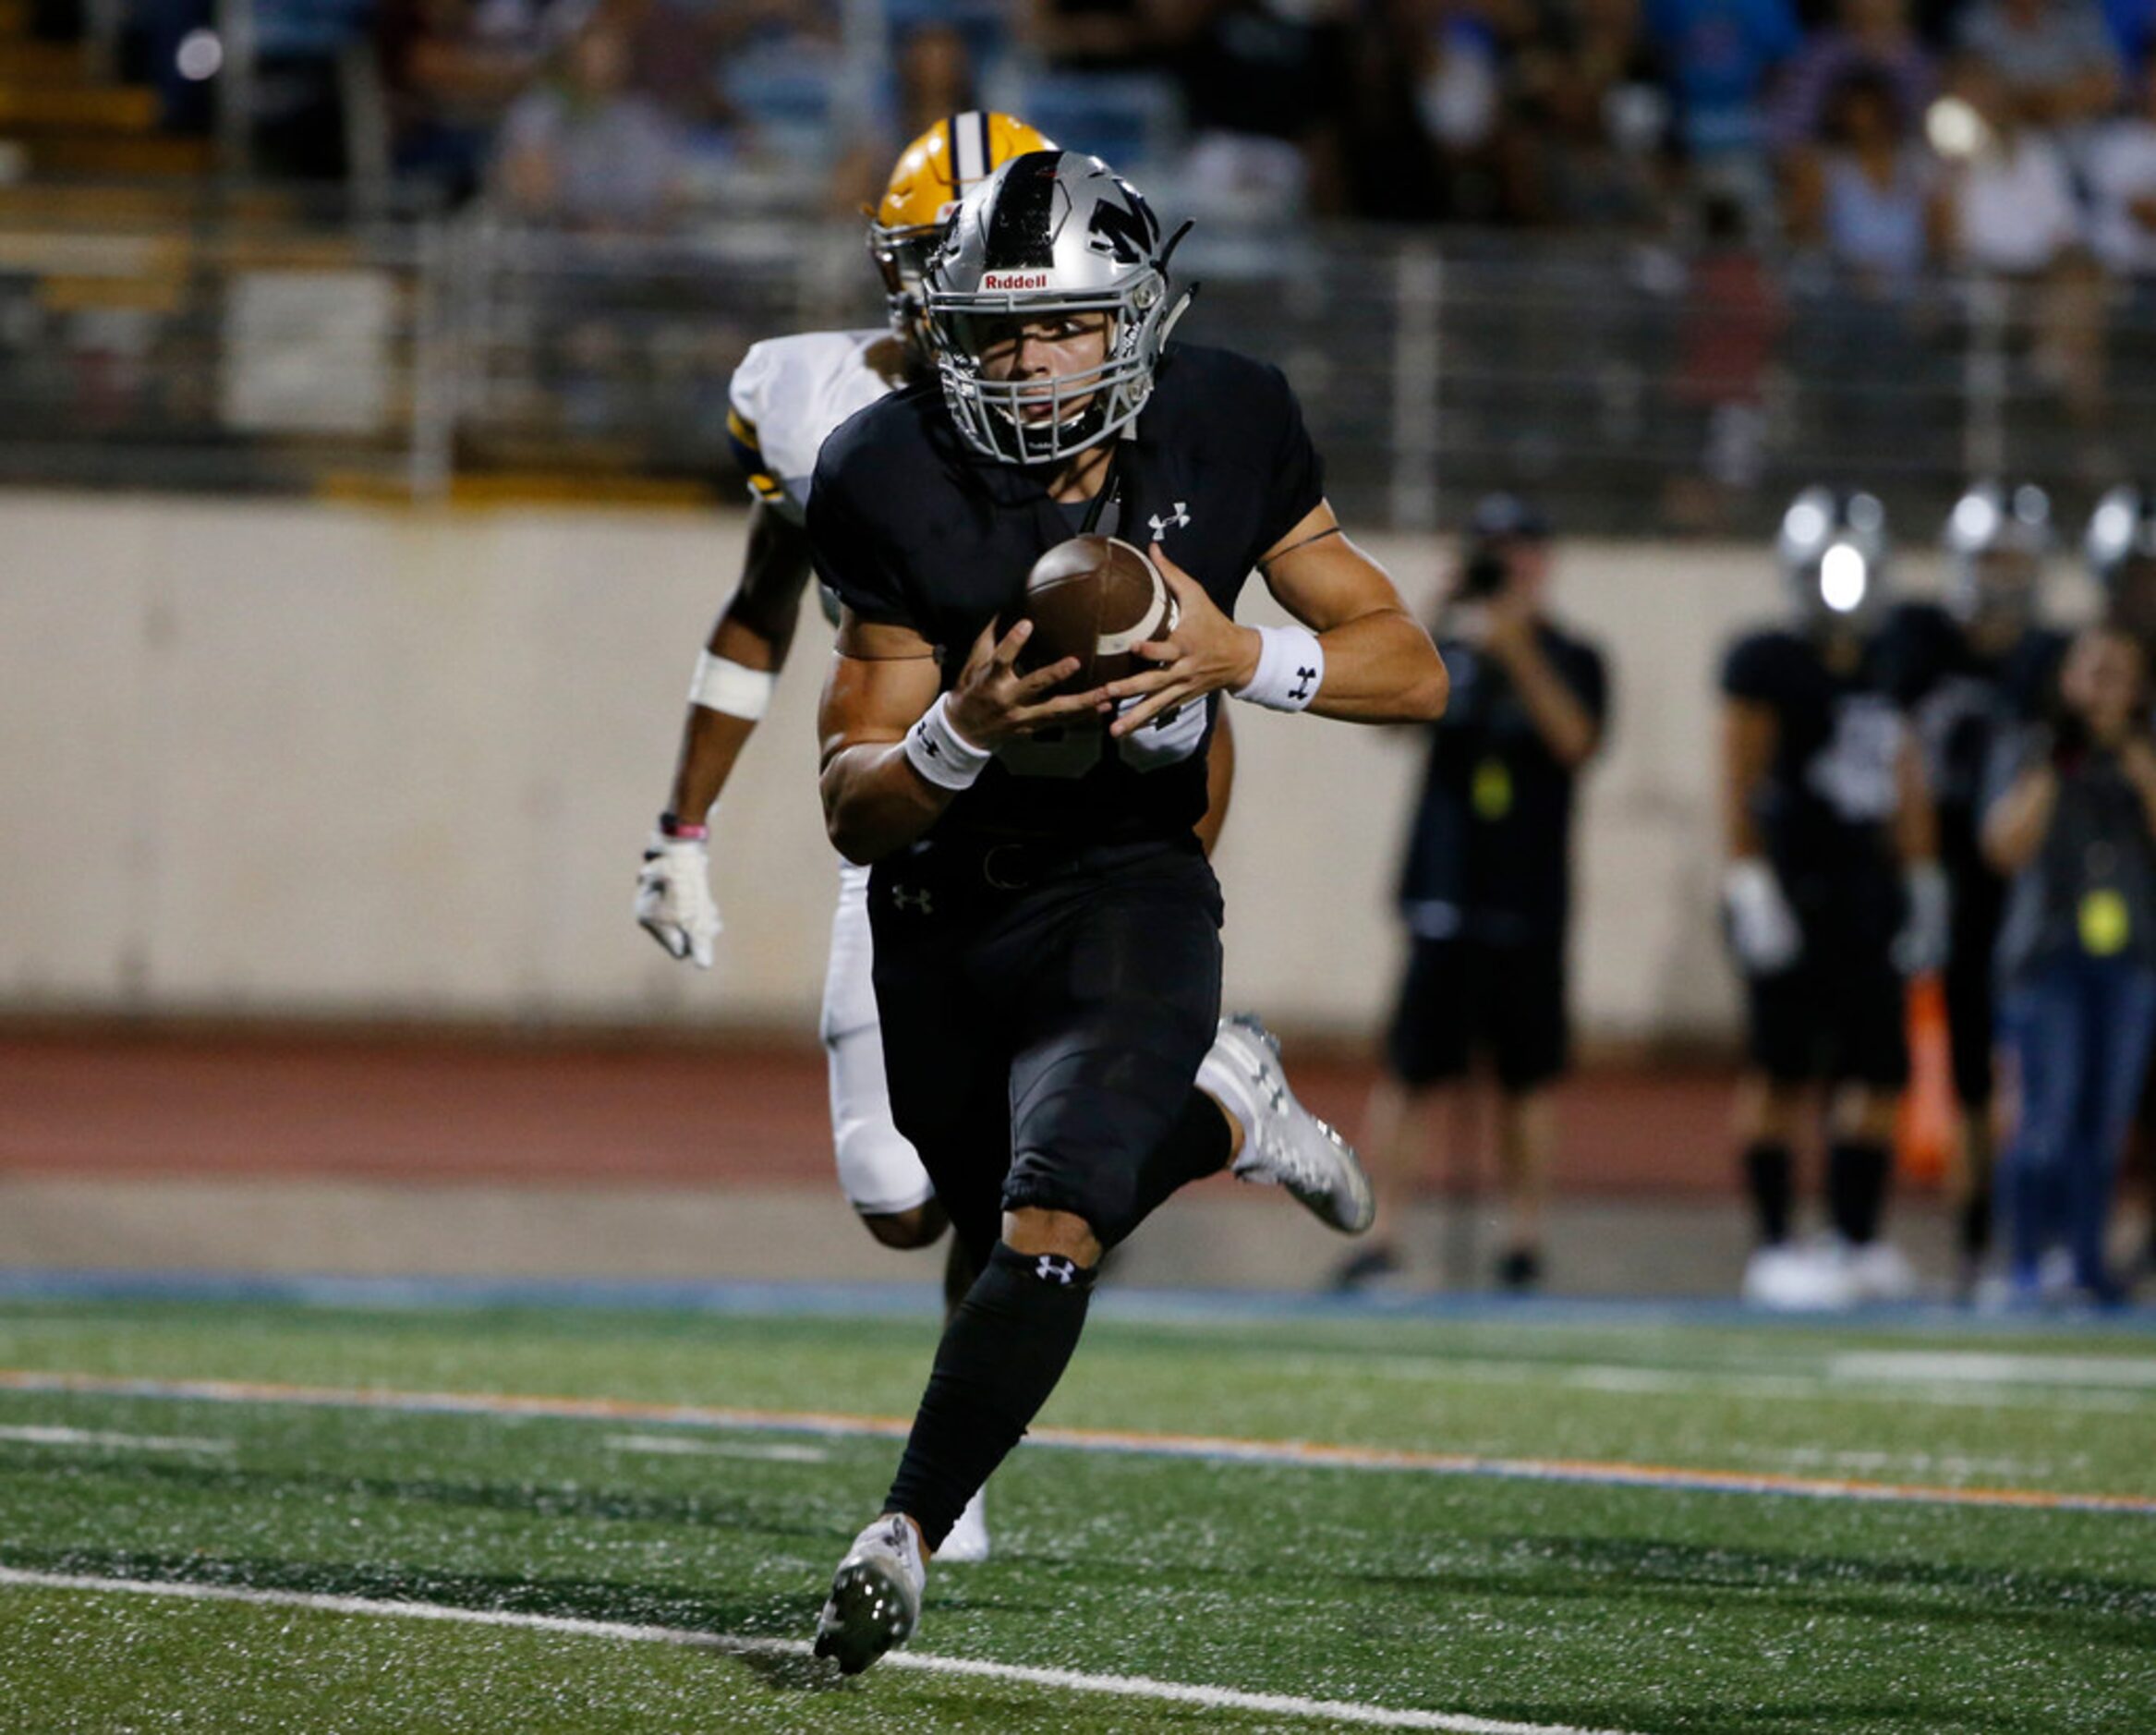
{"x":1854,"y":774}
{"x":1074,"y":752}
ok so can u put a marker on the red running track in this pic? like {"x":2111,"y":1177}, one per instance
{"x":726,"y":1113}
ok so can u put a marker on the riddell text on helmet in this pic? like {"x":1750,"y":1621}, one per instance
{"x":1014,"y":280}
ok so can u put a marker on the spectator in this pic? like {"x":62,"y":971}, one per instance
{"x":1486,"y":889}
{"x":1717,"y":56}
{"x":2074,"y":824}
{"x":584,"y":149}
{"x":2014,"y":215}
{"x":1871,"y":197}
{"x":1094,"y":35}
{"x":2055,"y":58}
{"x":934,"y":77}
{"x":2122,"y":175}
{"x":450,"y":71}
{"x":1591,"y":122}
{"x":1869,"y":37}
{"x":1734,"y":320}
{"x":1264,"y":84}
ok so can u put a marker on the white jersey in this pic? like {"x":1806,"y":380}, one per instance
{"x":786,"y":399}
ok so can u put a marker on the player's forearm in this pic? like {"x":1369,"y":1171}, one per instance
{"x":2015,"y":828}
{"x":1916,"y":829}
{"x":1566,"y":727}
{"x":1381,"y":668}
{"x":875,"y":803}
{"x":732,"y":686}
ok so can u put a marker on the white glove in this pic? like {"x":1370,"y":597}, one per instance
{"x":1926,"y":935}
{"x":674,"y":897}
{"x":1762,"y":928}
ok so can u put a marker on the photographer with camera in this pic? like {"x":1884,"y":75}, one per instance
{"x":1485,"y":891}
{"x":2073,"y":825}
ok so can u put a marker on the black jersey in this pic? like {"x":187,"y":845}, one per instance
{"x":1826,"y":808}
{"x":1962,"y":703}
{"x":1490,"y":855}
{"x":911,"y":527}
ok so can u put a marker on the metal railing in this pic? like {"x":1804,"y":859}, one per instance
{"x":250,"y":342}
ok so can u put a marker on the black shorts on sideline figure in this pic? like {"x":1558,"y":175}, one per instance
{"x":1459,"y":995}
{"x":1044,"y":1016}
{"x":1838,"y":1015}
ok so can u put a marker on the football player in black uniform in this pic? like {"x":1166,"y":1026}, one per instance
{"x":1964,"y":670}
{"x":1047,"y":942}
{"x":1833,"y":895}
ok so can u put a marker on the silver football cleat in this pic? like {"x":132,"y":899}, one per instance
{"x":1286,"y":1145}
{"x":876,"y":1596}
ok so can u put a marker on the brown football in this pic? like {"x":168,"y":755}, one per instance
{"x":1096,"y":598}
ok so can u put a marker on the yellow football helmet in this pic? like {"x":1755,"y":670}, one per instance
{"x":931,"y":176}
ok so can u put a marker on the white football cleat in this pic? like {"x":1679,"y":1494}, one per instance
{"x":876,"y":1596}
{"x":968,"y":1542}
{"x":1798,"y":1279}
{"x":1880,"y":1271}
{"x":1284,"y":1144}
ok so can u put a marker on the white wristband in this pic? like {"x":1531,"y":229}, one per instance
{"x":1291,"y":669}
{"x":733,"y":688}
{"x":940,"y":753}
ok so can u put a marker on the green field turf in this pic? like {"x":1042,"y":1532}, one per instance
{"x":1564,"y":1604}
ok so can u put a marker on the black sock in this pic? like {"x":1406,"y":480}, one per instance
{"x":1767,"y":1177}
{"x":1976,"y":1225}
{"x":1001,"y":1355}
{"x":959,"y":1274}
{"x":1857,"y":1174}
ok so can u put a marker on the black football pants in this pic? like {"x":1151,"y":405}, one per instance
{"x":1044,"y":1015}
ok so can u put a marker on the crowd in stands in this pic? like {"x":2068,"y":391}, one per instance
{"x":1884,"y":136}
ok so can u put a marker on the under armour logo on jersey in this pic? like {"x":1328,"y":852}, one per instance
{"x":1303,"y":677}
{"x":913,"y":898}
{"x":1176,"y":520}
{"x":1052,"y":1267}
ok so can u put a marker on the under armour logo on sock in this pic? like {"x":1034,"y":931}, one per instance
{"x":913,"y":898}
{"x":1052,"y":1267}
{"x":1303,"y":677}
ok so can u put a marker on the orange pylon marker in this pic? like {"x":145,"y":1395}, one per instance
{"x":1928,"y":1123}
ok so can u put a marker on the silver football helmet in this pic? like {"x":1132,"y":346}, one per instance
{"x":2122,"y":531}
{"x":1051,"y":233}
{"x":1832,"y":551}
{"x":1995,"y":539}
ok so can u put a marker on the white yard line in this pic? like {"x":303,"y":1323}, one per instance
{"x":1978,"y":1382}
{"x":123,"y":1442}
{"x":686,"y":1446}
{"x":1067,"y":1680}
{"x":1992,"y":1367}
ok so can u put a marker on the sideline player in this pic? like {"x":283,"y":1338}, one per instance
{"x":1047,"y":954}
{"x":1964,"y":671}
{"x":1832,"y":895}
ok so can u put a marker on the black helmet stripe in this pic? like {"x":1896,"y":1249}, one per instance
{"x":1021,"y":227}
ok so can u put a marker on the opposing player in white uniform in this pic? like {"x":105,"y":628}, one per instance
{"x":788,"y":395}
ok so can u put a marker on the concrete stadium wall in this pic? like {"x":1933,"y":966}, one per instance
{"x":268,"y":757}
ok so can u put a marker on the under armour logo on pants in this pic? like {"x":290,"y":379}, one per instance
{"x":1052,"y":1267}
